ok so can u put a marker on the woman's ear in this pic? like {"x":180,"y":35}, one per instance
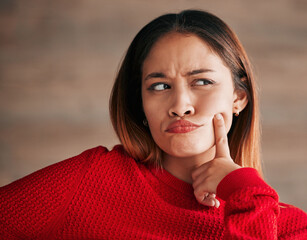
{"x":239,"y":101}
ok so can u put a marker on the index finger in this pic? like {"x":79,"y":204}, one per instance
{"x":221,"y":142}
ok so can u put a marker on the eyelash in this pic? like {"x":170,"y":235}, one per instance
{"x":152,"y":87}
{"x":206,"y":81}
{"x":166,"y":86}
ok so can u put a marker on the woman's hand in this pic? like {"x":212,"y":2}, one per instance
{"x":207,"y":177}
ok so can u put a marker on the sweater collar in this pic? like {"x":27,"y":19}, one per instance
{"x":173,"y":182}
{"x":164,"y":176}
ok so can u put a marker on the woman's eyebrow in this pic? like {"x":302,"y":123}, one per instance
{"x":197,"y":71}
{"x":155,"y":75}
{"x":191,"y":73}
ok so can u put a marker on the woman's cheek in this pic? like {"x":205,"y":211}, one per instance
{"x":217,"y":106}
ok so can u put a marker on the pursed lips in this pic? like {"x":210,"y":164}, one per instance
{"x":182,"y":126}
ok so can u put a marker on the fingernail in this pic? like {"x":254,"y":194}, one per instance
{"x":218,"y":116}
{"x":217,"y":203}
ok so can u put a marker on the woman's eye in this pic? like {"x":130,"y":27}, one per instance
{"x":201,"y":82}
{"x":159,"y":86}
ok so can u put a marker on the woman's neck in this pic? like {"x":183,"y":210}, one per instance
{"x":182,"y":167}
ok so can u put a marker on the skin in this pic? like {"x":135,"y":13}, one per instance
{"x":182,"y":78}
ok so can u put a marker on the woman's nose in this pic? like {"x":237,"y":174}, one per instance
{"x":181,"y":104}
{"x":174,"y":114}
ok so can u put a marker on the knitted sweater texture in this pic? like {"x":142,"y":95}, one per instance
{"x":103,"y":194}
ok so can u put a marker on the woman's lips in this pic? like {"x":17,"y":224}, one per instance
{"x":181,"y":126}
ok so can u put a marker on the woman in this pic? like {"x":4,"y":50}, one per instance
{"x":187,"y":168}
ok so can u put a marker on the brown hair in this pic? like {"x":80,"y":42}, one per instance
{"x":126,"y":102}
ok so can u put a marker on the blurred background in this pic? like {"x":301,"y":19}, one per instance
{"x":58,"y":60}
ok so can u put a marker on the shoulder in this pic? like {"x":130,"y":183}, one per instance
{"x":114,"y":166}
{"x":292,"y":222}
{"x":65,"y":168}
{"x":34,"y":201}
{"x":61,"y":174}
{"x":68,"y":168}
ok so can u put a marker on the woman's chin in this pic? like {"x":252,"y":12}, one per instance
{"x":190,"y":151}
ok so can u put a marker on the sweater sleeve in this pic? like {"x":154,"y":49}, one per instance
{"x":31,"y":206}
{"x":252,"y":210}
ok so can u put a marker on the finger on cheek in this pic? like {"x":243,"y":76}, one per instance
{"x":219,"y":117}
{"x":219,"y":124}
{"x":221,"y":142}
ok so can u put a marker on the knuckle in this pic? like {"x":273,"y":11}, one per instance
{"x":198,"y":191}
{"x":200,"y":200}
{"x":194,"y":184}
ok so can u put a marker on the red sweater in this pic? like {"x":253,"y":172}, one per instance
{"x":107,"y":195}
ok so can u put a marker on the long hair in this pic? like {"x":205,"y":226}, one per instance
{"x":126,"y":102}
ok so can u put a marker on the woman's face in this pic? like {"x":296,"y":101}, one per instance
{"x":184,"y":84}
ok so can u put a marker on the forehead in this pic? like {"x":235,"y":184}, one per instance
{"x":181,"y":51}
{"x":174,"y":41}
